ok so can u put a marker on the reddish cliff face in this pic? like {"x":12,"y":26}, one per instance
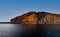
{"x":50,"y":19}
{"x":37,"y":18}
{"x":32,"y":19}
{"x":28,"y":18}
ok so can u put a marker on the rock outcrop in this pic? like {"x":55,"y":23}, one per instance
{"x":37,"y":18}
{"x":28,"y":18}
{"x":49,"y":18}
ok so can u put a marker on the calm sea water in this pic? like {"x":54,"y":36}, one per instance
{"x":17,"y":30}
{"x":50,"y":30}
{"x":11,"y":30}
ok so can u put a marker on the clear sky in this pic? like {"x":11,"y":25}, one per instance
{"x":12,"y":8}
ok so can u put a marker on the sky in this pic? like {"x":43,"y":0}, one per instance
{"x":12,"y":8}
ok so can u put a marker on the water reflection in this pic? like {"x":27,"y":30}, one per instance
{"x":11,"y":30}
{"x":17,"y":30}
{"x":49,"y":30}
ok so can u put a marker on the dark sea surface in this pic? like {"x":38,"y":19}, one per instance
{"x":18,"y":30}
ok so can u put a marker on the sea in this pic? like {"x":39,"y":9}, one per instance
{"x":18,"y":30}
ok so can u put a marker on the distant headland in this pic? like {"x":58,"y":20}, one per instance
{"x":37,"y":18}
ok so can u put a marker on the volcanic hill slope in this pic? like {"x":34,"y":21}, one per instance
{"x":37,"y":18}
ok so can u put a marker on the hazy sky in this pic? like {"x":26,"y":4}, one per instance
{"x":12,"y":8}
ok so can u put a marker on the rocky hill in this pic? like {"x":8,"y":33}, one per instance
{"x":37,"y":18}
{"x":28,"y":18}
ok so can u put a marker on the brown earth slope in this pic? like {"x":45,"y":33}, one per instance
{"x":28,"y":18}
{"x":49,"y":18}
{"x":37,"y":18}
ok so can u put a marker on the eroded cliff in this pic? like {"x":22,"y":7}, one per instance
{"x":37,"y":18}
{"x":28,"y":18}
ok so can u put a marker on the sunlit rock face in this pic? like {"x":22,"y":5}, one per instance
{"x":37,"y":18}
{"x":28,"y":18}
